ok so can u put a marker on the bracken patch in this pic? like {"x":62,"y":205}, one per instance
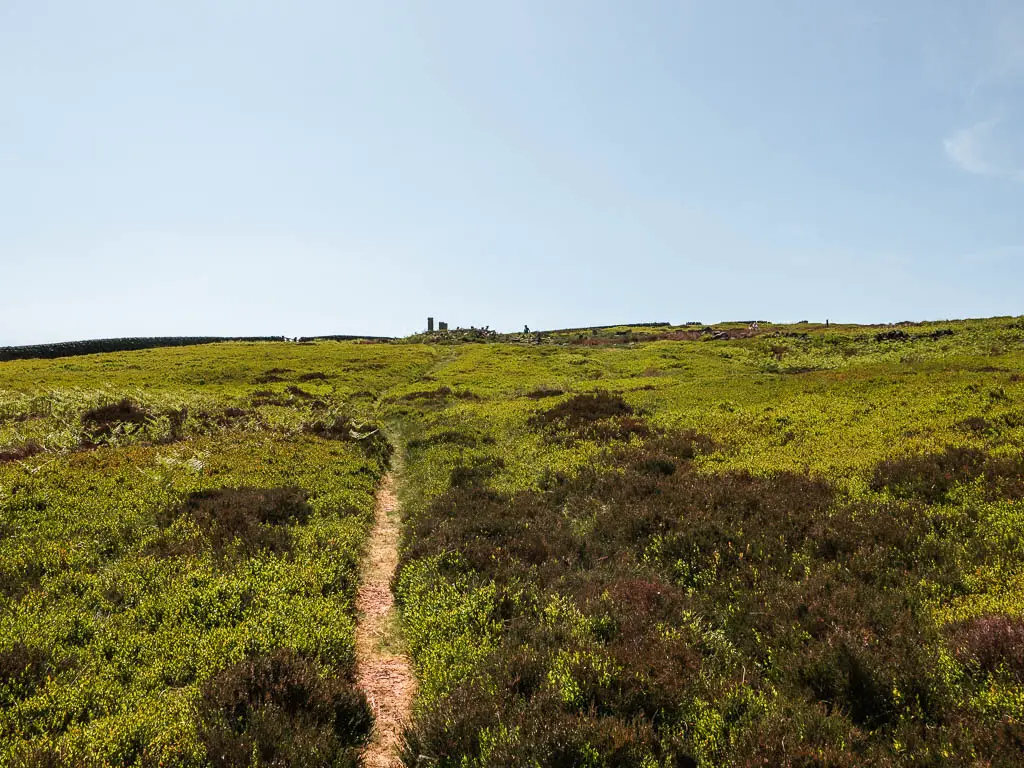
{"x":100,"y":422}
{"x":369,"y":437}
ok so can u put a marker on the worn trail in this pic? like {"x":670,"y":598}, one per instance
{"x":384,"y":674}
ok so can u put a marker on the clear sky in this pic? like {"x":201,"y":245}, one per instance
{"x":318,"y":166}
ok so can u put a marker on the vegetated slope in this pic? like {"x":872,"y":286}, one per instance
{"x":791,"y":547}
{"x":179,"y":554}
{"x":794,"y":550}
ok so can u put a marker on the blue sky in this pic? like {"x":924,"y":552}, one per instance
{"x":256,"y":167}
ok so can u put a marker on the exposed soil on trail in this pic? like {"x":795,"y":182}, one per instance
{"x":384,"y":675}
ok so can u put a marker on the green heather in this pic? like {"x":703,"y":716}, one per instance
{"x":638,"y":546}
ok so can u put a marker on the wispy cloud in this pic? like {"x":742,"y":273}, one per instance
{"x":993,"y":144}
{"x":985,"y":150}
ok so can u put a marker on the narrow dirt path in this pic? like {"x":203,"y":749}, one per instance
{"x":384,"y":675}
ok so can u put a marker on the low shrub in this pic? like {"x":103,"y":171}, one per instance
{"x":439,"y":395}
{"x":894,"y":335}
{"x":369,"y":437}
{"x":298,"y":392}
{"x":244,"y":520}
{"x":977,"y":425}
{"x":46,"y":756}
{"x":21,"y":452}
{"x":878,"y":669}
{"x":260,"y":397}
{"x":653,"y":614}
{"x":281,"y":710}
{"x":452,"y":437}
{"x":475,"y":474}
{"x":100,"y":422}
{"x":1004,"y":477}
{"x":542,"y":392}
{"x":930,"y":477}
{"x":600,"y":416}
{"x":990,"y":643}
{"x":582,"y":410}
{"x":272,"y":376}
{"x":672,"y":447}
{"x":23,"y":668}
